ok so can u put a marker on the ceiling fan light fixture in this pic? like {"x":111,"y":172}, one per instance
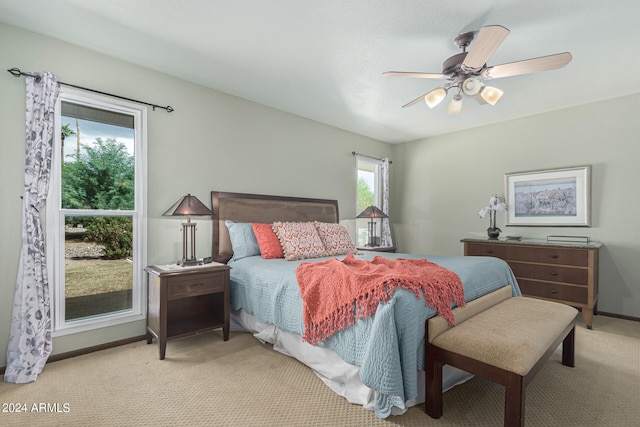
{"x":491,"y":94}
{"x":455,"y":106}
{"x":468,"y":70}
{"x":471,"y":86}
{"x":435,"y":97}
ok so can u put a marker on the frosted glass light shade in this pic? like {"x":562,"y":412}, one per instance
{"x":455,"y":106}
{"x":491,"y":94}
{"x":471,"y":86}
{"x":435,"y":97}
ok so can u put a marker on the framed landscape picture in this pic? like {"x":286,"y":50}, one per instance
{"x":549,"y":198}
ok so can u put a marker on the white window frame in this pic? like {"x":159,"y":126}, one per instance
{"x":377,"y":189}
{"x":56,"y":215}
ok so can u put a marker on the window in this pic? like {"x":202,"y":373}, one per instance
{"x":369,"y":193}
{"x":95,"y":212}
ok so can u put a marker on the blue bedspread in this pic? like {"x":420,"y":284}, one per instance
{"x":388,"y":347}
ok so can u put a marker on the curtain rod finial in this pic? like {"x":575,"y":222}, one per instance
{"x":15,"y":72}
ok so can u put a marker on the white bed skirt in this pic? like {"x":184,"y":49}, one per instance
{"x":342,"y":377}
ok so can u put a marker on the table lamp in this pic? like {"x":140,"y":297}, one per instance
{"x":372,"y":212}
{"x":188,"y":206}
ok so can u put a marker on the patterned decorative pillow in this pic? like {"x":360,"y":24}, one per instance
{"x":269,"y":243}
{"x":243,"y":241}
{"x":336,"y":238}
{"x":299,"y":240}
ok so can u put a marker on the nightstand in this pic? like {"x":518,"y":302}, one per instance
{"x":377,"y":248}
{"x":184,"y":301}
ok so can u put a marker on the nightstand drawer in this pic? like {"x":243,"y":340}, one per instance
{"x":565,"y":293}
{"x":553,"y":273}
{"x":193,"y":285}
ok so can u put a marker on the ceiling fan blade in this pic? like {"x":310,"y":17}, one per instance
{"x":527,"y":66}
{"x":485,"y":44}
{"x":414,"y":75}
{"x":415,"y":101}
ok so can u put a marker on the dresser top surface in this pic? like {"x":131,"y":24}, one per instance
{"x":536,"y":242}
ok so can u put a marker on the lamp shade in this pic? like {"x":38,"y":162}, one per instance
{"x":188,"y":206}
{"x":372,"y":212}
{"x":435,"y":97}
{"x":455,"y":106}
{"x":471,"y":86}
{"x":491,"y":94}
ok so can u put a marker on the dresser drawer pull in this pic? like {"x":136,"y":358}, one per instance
{"x":489,"y":252}
{"x":197,"y":285}
{"x":554,"y":256}
{"x":553,"y":291}
{"x":554,"y":273}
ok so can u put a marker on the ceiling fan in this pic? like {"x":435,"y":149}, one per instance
{"x":464,"y":70}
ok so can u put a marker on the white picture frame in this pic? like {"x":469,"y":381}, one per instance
{"x":549,"y":198}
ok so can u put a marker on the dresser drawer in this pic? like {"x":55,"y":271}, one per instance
{"x":197,"y":284}
{"x":549,"y":255}
{"x":566,"y":293}
{"x":553,"y":273}
{"x":498,"y":251}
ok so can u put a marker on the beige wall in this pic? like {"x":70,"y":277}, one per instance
{"x":212,"y":141}
{"x":446,"y":180}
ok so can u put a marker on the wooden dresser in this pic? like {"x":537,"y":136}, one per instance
{"x":566,"y":273}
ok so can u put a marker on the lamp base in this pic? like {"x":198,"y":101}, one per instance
{"x":189,"y":262}
{"x":373,"y":241}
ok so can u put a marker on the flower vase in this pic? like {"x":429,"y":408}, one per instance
{"x":493,"y":232}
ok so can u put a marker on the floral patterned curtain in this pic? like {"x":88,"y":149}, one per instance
{"x":385,"y":235}
{"x":30,"y":335}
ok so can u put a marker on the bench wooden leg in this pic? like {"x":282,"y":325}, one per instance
{"x":568,"y":349}
{"x":433,"y":386}
{"x":514,"y":395}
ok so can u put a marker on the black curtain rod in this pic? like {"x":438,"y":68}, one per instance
{"x":370,"y":157}
{"x":17,"y":73}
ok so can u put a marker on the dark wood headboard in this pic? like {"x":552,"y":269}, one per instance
{"x":240,"y":207}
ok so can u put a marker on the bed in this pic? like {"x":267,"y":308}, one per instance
{"x":377,"y":362}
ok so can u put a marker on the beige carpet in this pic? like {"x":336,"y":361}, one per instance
{"x":205,"y":381}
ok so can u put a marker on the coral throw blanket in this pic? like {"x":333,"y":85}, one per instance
{"x":337,"y":293}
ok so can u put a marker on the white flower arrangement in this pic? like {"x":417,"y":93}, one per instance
{"x":495,"y":205}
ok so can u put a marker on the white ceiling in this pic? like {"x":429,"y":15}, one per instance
{"x":324,"y":59}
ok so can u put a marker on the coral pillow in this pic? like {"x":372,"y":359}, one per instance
{"x":268,"y":242}
{"x":336,"y":239}
{"x":299,"y":240}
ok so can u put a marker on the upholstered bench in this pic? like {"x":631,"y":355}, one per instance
{"x":507,"y":343}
